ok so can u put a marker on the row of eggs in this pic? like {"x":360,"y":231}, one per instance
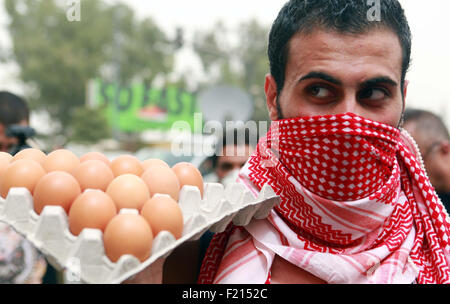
{"x":92,"y":190}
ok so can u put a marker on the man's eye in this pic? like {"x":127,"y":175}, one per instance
{"x":320,"y":92}
{"x":373,"y":94}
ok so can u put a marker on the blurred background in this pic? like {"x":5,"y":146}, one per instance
{"x":119,"y":78}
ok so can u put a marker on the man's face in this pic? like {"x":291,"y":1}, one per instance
{"x":233,"y":157}
{"x":436,"y":158}
{"x":330,"y":73}
{"x":6,"y":143}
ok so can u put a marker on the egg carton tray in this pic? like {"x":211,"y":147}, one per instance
{"x":83,"y":257}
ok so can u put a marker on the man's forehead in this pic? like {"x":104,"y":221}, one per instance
{"x":378,"y":47}
{"x":237,"y":150}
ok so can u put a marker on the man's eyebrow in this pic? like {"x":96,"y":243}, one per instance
{"x":379,"y":80}
{"x":368,"y":83}
{"x":322,"y":76}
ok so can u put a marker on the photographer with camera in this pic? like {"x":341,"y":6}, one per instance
{"x":20,"y":262}
{"x":15,"y":132}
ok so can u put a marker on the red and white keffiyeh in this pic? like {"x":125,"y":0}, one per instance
{"x":356,"y":207}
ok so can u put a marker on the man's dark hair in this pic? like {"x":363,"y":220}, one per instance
{"x":13,"y":109}
{"x":234,"y":136}
{"x":428,"y":125}
{"x":341,"y":16}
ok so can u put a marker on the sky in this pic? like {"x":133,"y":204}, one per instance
{"x":429,"y":21}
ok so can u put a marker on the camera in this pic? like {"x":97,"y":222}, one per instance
{"x":24,"y":136}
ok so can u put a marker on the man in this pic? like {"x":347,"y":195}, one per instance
{"x":20,"y":262}
{"x":433,"y":139}
{"x":232,"y":153}
{"x":356,"y":206}
{"x":13,"y":111}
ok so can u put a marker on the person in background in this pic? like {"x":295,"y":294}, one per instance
{"x":433,"y":139}
{"x":20,"y":262}
{"x":232,"y":152}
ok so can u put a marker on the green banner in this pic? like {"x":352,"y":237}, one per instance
{"x":139,"y":107}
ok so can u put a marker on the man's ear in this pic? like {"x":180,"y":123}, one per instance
{"x":445,"y":147}
{"x":270,"y":87}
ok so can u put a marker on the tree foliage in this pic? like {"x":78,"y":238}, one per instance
{"x":243,"y":63}
{"x":87,"y":131}
{"x":57,"y":57}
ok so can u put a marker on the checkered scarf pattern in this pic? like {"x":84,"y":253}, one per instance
{"x":356,"y":207}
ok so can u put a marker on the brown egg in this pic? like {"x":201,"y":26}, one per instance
{"x":7,"y":156}
{"x":162,"y":180}
{"x":128,"y":234}
{"x":126,"y":164}
{"x":92,"y":209}
{"x":153,"y":162}
{"x":57,"y":188}
{"x":61,"y":160}
{"x":188,"y":174}
{"x":24,"y":173}
{"x":5,"y":159}
{"x":163,"y":213}
{"x":95,"y":156}
{"x":128,"y":191}
{"x":31,"y":153}
{"x":93,"y":174}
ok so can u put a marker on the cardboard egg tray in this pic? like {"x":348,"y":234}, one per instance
{"x":83,"y":257}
